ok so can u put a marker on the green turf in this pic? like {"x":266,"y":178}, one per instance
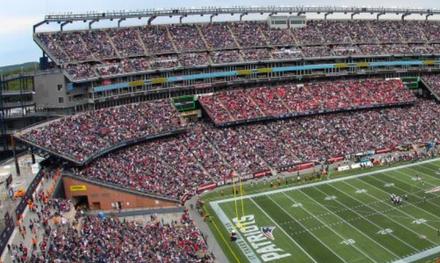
{"x":262,"y":186}
{"x":347,"y":220}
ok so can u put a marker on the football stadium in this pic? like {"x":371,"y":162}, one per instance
{"x":225,"y":134}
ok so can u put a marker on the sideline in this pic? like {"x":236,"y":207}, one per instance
{"x":420,"y":255}
{"x":243,"y":245}
{"x":215,"y":205}
{"x":325,"y":181}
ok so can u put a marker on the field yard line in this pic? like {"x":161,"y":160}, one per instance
{"x":331,"y":229}
{"x":282,"y":230}
{"x":390,"y":218}
{"x":433,"y":170}
{"x":311,"y":233}
{"x":419,"y":256}
{"x":348,"y":223}
{"x":435,"y":216}
{"x":419,"y":172}
{"x":252,"y":257}
{"x":428,"y":175}
{"x":424,"y":190}
{"x":226,"y":242}
{"x":368,"y":220}
{"x":327,"y":181}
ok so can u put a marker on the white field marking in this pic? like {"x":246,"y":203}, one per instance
{"x":326,"y":181}
{"x":346,"y":222}
{"x":419,"y":221}
{"x":361,"y":191}
{"x":310,"y":232}
{"x":416,"y":256}
{"x":337,"y":223}
{"x":429,"y":175}
{"x":331,"y":229}
{"x":421,"y":179}
{"x":431,"y":169}
{"x":348,"y":242}
{"x":422,"y":189}
{"x":385,"y":231}
{"x":419,"y":256}
{"x":388,"y":185}
{"x":434,"y":190}
{"x":282,"y":230}
{"x":389,"y":217}
{"x":247,"y":251}
{"x":409,"y":204}
{"x":435,"y":216}
{"x":368,"y":220}
{"x":330,"y":197}
{"x":297,"y":205}
{"x":414,"y":178}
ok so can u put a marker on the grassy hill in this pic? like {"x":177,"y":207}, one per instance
{"x":15,"y":69}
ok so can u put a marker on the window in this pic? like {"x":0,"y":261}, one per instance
{"x":60,"y":100}
{"x":60,"y":87}
{"x":297,"y":22}
{"x":280,"y":22}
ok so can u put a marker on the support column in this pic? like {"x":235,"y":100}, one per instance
{"x":17,"y":167}
{"x":32,"y":155}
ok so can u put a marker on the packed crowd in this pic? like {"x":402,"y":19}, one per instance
{"x":434,"y":83}
{"x":45,"y":212}
{"x":297,"y":100}
{"x":81,"y":136}
{"x":205,"y":154}
{"x":96,"y":239}
{"x":49,"y":212}
{"x":61,"y":235}
{"x":84,"y":53}
{"x":115,"y":67}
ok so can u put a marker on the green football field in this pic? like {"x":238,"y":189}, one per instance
{"x":347,"y":219}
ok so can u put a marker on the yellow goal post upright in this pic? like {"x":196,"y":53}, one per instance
{"x":238,"y":192}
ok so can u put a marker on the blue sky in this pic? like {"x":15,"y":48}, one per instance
{"x":18,"y":16}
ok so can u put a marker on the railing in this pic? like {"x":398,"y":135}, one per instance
{"x":103,"y":151}
{"x":233,"y":10}
{"x":302,"y":114}
{"x":9,"y":220}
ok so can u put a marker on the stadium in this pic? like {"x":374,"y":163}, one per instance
{"x":290,"y":137}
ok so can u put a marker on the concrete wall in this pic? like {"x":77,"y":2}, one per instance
{"x":106,"y":196}
{"x":50,"y":87}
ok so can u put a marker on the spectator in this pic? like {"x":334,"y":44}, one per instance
{"x":83,"y":135}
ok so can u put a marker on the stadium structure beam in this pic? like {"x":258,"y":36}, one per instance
{"x":120,"y":21}
{"x":405,"y":15}
{"x":151,"y":19}
{"x":427,"y":16}
{"x":353,"y":14}
{"x":211,"y":17}
{"x":31,"y":151}
{"x":92,"y":22}
{"x":326,"y":14}
{"x":299,"y":10}
{"x":63,"y":24}
{"x":14,"y":153}
{"x":242,"y":15}
{"x":379,"y":14}
{"x":38,"y":24}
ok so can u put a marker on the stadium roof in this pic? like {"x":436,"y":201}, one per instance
{"x":92,"y":17}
